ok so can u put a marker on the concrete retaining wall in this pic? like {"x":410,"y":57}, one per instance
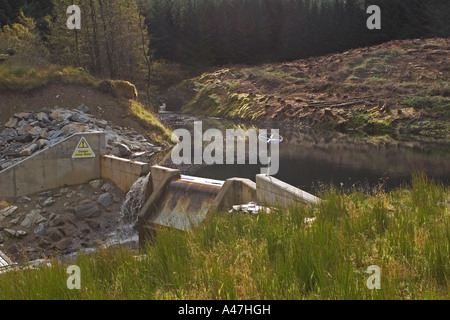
{"x":122,"y":172}
{"x":53,"y":168}
{"x":274,"y":192}
{"x":235,"y":191}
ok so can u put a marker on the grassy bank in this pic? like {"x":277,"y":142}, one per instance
{"x":277,"y":256}
{"x":157,"y":130}
{"x":18,"y":78}
{"x":399,"y":88}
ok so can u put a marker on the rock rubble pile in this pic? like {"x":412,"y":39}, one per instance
{"x":29,"y":132}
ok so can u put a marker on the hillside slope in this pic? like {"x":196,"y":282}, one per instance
{"x":31,"y":93}
{"x":396,"y":88}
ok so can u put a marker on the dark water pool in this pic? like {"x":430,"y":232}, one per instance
{"x":310,"y":160}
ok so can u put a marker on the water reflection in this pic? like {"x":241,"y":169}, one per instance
{"x":309,"y":160}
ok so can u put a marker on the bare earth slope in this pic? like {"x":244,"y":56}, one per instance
{"x":69,"y":96}
{"x":396,"y":88}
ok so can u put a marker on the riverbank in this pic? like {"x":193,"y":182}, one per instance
{"x":310,"y":159}
{"x":398,"y":89}
{"x":276,"y":256}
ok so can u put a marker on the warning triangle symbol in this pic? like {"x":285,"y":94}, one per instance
{"x":83,"y":150}
{"x":83,"y":144}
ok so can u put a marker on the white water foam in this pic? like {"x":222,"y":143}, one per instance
{"x":130,"y":209}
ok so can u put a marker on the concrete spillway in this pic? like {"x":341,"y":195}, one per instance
{"x":187,"y":202}
{"x":183,"y":202}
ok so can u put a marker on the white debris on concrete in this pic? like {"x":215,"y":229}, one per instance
{"x":5,"y":263}
{"x":251,"y":207}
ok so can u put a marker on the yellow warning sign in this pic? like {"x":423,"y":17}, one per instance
{"x":83,"y":150}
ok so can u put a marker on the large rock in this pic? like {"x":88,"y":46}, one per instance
{"x":105,"y":200}
{"x":12,"y":123}
{"x":10,"y":232}
{"x":13,"y":233}
{"x":23,"y":115}
{"x":83,"y":108}
{"x":48,"y":202}
{"x":54,"y":235}
{"x":8,"y":211}
{"x":81,"y":118}
{"x":34,"y":217}
{"x":87,"y":209}
{"x":67,"y":230}
{"x":74,"y":128}
{"x":60,"y":115}
{"x":41,"y":116}
{"x":123,"y":150}
{"x":55,"y":134}
{"x":13,"y":150}
{"x":24,"y":129}
{"x":41,"y":228}
{"x":107,"y":187}
{"x":20,"y":234}
{"x":24,"y":138}
{"x":23,"y":200}
{"x":9,"y":134}
{"x":95,"y":184}
{"x":46,"y":194}
{"x":28,"y":151}
{"x":41,"y":143}
{"x":64,"y":245}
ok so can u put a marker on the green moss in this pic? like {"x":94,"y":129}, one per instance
{"x":157,"y":130}
{"x":368,"y":124}
{"x":430,"y":104}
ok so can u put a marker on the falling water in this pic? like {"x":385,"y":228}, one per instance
{"x":130,"y":209}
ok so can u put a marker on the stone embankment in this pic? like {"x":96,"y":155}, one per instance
{"x":64,"y":220}
{"x":28,"y":132}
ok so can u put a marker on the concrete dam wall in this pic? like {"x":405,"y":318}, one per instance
{"x":172,"y":200}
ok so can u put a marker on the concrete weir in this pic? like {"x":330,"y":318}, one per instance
{"x":183,"y":202}
{"x":173,"y":200}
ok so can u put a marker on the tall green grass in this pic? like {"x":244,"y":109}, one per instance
{"x":276,"y":256}
{"x":19,"y":78}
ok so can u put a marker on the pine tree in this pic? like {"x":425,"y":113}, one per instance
{"x":112,"y":41}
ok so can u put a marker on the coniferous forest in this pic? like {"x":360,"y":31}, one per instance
{"x":217,"y":32}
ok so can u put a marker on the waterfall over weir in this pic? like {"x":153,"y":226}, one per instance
{"x":133,"y":203}
{"x":182,"y":205}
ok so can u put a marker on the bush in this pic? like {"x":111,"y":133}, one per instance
{"x":20,"y":44}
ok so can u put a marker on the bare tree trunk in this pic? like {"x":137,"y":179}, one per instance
{"x":96,"y":45}
{"x":77,"y":44}
{"x":107,"y":40}
{"x":145,"y":51}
